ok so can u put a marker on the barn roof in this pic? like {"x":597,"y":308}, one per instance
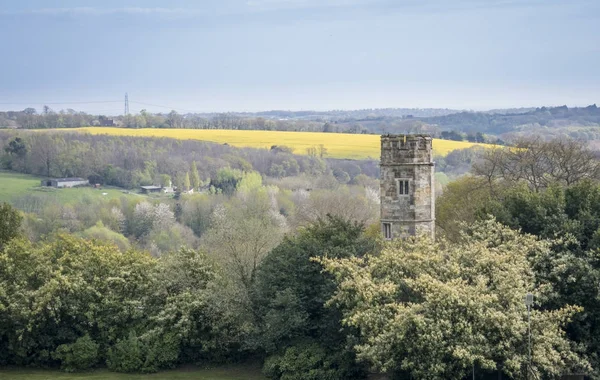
{"x":70,"y":179}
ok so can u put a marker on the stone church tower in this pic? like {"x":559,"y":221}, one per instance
{"x":407,"y":186}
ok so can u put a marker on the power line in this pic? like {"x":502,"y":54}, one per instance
{"x":126,"y":105}
{"x":90,"y":102}
{"x":157,"y":105}
{"x":116,"y":111}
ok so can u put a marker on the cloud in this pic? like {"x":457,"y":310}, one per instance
{"x":271,"y":5}
{"x":105,"y":11}
{"x":242,"y":6}
{"x":430,"y":6}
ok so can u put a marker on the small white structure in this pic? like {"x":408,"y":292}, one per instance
{"x":65,"y":182}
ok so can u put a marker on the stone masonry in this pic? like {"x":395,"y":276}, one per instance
{"x":407,"y":186}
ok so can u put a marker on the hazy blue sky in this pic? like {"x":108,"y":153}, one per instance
{"x":222,"y":55}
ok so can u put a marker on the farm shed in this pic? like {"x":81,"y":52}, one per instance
{"x":65,"y":182}
{"x":150,"y":189}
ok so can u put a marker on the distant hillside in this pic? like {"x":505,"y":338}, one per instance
{"x":358,"y":114}
{"x":500,"y":123}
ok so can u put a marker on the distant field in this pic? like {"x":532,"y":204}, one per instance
{"x":234,"y":373}
{"x":14,"y":185}
{"x":339,"y":145}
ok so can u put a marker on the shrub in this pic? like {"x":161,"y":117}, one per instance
{"x":81,"y":355}
{"x":162,"y":351}
{"x":304,"y":362}
{"x":147,"y":353}
{"x":101,"y":233}
{"x":127,"y":355}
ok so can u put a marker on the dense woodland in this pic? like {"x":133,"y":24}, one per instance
{"x":256,"y":267}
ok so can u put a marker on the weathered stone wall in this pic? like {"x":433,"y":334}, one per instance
{"x":407,"y":158}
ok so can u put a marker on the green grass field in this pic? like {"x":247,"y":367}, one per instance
{"x":229,"y":373}
{"x":14,"y":185}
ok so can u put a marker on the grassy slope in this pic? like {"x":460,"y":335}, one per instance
{"x":14,"y":185}
{"x":339,"y":145}
{"x":232,"y":373}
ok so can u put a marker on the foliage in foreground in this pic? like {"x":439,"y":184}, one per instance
{"x":10,"y":222}
{"x":436,"y":310}
{"x":77,"y":303}
{"x":303,"y":338}
{"x":569,"y":216}
{"x":81,"y":355}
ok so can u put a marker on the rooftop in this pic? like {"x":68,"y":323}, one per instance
{"x":70,"y":179}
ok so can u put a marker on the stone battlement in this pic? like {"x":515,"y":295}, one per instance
{"x":406,"y":149}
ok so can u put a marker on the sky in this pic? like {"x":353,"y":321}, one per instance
{"x":252,"y":55}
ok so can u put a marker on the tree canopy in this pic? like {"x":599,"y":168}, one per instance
{"x":435,"y":310}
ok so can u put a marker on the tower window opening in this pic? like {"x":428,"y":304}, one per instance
{"x":403,"y":186}
{"x":387,"y":231}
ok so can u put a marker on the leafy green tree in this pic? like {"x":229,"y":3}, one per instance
{"x":186,"y":182}
{"x":17,"y":151}
{"x":227,"y":180}
{"x":52,"y":293}
{"x":81,"y":355}
{"x":142,"y":220}
{"x":194,"y":315}
{"x":165,"y":180}
{"x":166,"y":239}
{"x":291,"y":291}
{"x":127,"y":355}
{"x":461,"y":202}
{"x":436,"y":310}
{"x":10,"y":223}
{"x":570,"y":216}
{"x":194,"y":176}
{"x":243,"y":232}
{"x":101,"y":233}
{"x":250,"y":181}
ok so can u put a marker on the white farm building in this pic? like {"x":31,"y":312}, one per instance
{"x":65,"y":182}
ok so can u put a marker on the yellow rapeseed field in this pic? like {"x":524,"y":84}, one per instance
{"x":339,"y":145}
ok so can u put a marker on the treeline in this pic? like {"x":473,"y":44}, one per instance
{"x":129,"y":162}
{"x":30,"y":119}
{"x":550,"y":122}
{"x":277,"y":119}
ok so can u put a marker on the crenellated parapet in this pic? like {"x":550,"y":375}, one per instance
{"x":406,"y":149}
